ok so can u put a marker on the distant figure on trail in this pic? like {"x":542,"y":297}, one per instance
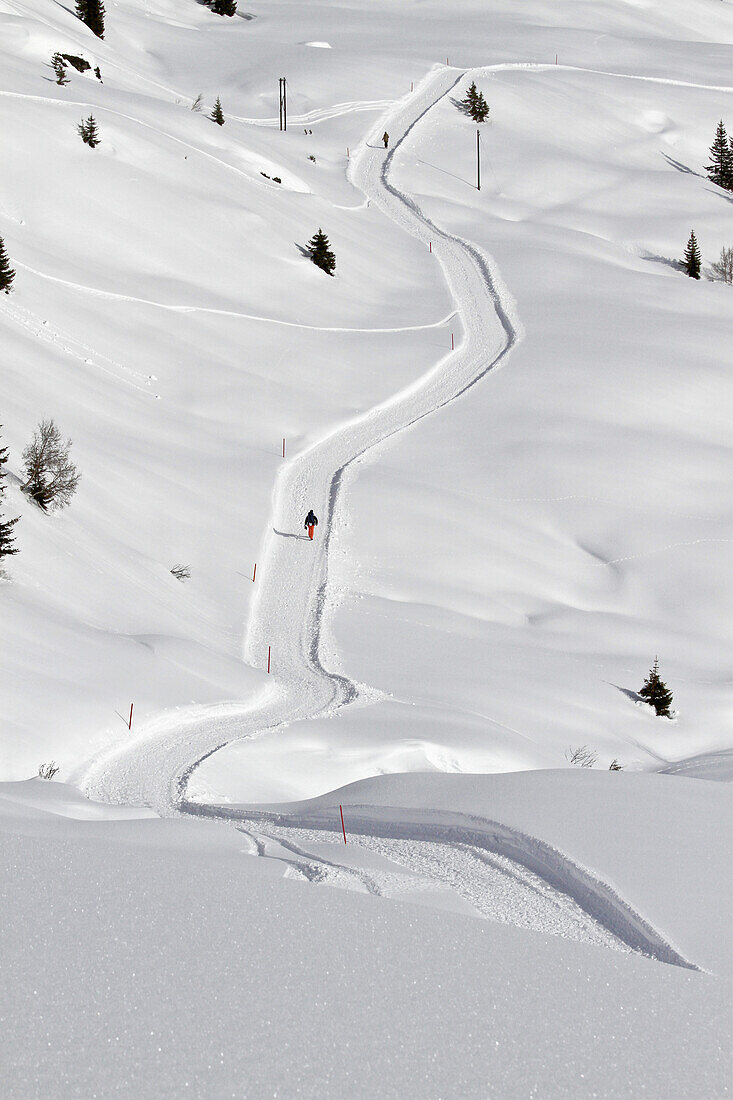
{"x":311,"y":522}
{"x":385,"y":139}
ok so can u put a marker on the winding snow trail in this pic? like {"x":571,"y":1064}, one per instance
{"x":288,"y":608}
{"x":497,"y":871}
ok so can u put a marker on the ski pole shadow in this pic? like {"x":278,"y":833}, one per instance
{"x":289,"y":534}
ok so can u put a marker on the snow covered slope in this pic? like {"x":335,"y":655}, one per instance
{"x":171,"y":326}
{"x":511,"y":412}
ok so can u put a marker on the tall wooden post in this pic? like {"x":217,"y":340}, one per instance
{"x":478,"y":159}
{"x":283,"y":104}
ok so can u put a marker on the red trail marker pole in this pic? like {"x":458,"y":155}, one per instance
{"x":129,"y":724}
{"x":412,"y":85}
{"x":283,"y":448}
{"x":268,"y":658}
{"x":342,"y":822}
{"x":452,"y":344}
{"x":254,"y":573}
{"x":431,"y":246}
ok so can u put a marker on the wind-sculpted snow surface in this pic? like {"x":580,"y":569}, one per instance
{"x":568,"y":899}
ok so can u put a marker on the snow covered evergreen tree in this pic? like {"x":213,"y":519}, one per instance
{"x":6,"y":272}
{"x":320,"y":253}
{"x":692,"y":260}
{"x":89,"y":133}
{"x":656,"y":693}
{"x":59,"y":68}
{"x":7,"y":537}
{"x":217,"y":115}
{"x":91,"y":12}
{"x":720,"y":169}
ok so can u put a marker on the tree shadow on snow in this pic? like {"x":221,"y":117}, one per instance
{"x":632,"y":695}
{"x":461,"y":106}
{"x":680,"y":167}
{"x":653,"y":257}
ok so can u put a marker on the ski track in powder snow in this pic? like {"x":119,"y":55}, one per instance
{"x":500,"y":873}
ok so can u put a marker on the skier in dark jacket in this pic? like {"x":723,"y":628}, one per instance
{"x":385,"y":139}
{"x":311,"y":522}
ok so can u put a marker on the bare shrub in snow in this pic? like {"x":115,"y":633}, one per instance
{"x":51,"y":476}
{"x":48,"y":771}
{"x":723,"y":268}
{"x":197,"y":103}
{"x":181,"y":572}
{"x":582,"y":757}
{"x":614,"y":766}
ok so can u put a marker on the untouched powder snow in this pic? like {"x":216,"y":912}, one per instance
{"x":167,"y":959}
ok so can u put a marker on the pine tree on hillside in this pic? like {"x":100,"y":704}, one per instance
{"x":474,"y":104}
{"x":692,"y":260}
{"x":320,"y":253}
{"x":720,"y":169}
{"x":656,"y":692}
{"x":7,"y":538}
{"x":6,"y":272}
{"x":224,"y":7}
{"x":469,"y":102}
{"x":217,"y":115}
{"x":481,"y":109}
{"x":91,"y":13}
{"x":89,"y":133}
{"x":59,"y":68}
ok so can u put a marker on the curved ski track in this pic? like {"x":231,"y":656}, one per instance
{"x":154,"y":768}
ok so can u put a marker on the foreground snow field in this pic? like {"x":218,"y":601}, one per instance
{"x":154,"y":958}
{"x":511,"y":412}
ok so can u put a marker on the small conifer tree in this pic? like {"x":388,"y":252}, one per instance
{"x":7,"y":537}
{"x":691,"y":259}
{"x":720,"y":169}
{"x":217,"y":115}
{"x":474,"y":104}
{"x":89,"y":133}
{"x":59,"y":68}
{"x":468,"y":103}
{"x":320,"y":253}
{"x":481,"y":110}
{"x":91,"y":12}
{"x":6,"y":272}
{"x":224,"y":7}
{"x":656,"y":692}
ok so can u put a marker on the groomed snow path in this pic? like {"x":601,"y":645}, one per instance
{"x":287,"y":613}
